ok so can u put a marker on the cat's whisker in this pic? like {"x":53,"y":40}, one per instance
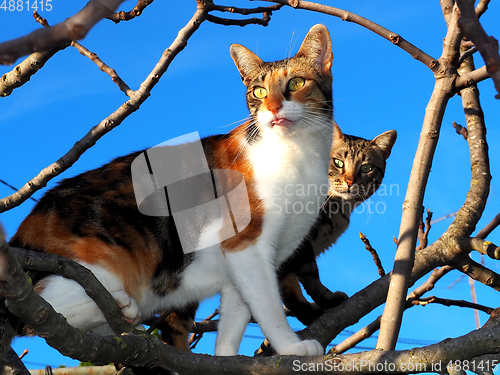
{"x":313,"y":125}
{"x":236,"y":123}
{"x":252,"y":133}
{"x":236,"y":134}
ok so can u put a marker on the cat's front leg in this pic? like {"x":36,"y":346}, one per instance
{"x":234,"y":318}
{"x":253,"y":273}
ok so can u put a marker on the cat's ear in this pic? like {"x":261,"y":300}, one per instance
{"x":337,"y":133}
{"x":317,"y":45}
{"x":247,"y":62}
{"x":385,"y":141}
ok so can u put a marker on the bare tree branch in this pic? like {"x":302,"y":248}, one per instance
{"x":94,"y":58}
{"x":109,"y":123}
{"x":464,"y":55}
{"x":374,"y":254}
{"x":478,"y":272}
{"x":403,"y":263}
{"x":26,"y":69}
{"x":105,"y":68}
{"x":374,"y":326}
{"x":450,"y":302}
{"x":59,"y":265}
{"x":264,"y":21}
{"x":127,"y":16}
{"x":492,"y":225}
{"x":147,"y":351}
{"x":344,"y":15}
{"x":423,"y":230}
{"x":481,"y":246}
{"x":487,"y":46}
{"x":466,"y":80}
{"x":75,"y":27}
{"x":447,"y":8}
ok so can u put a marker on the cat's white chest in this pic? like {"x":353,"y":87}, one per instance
{"x":292,"y":181}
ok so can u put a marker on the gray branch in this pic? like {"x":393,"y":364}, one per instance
{"x":74,"y":28}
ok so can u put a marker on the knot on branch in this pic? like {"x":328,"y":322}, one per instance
{"x":395,"y":38}
{"x":78,"y":31}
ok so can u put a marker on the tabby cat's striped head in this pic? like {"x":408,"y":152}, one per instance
{"x":293,"y":93}
{"x":357,"y":165}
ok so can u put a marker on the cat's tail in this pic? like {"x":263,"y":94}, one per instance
{"x":10,"y":327}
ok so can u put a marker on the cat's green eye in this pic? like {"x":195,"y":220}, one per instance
{"x":260,"y":92}
{"x":365,"y":168}
{"x":296,"y":83}
{"x":338,"y":163}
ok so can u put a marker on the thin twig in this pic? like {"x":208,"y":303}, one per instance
{"x":105,"y":68}
{"x":206,"y":323}
{"x":374,"y":254}
{"x":94,"y":58}
{"x":492,"y":225}
{"x":344,"y":15}
{"x":423,"y":230}
{"x":466,"y":54}
{"x":109,"y":123}
{"x":264,"y":21}
{"x":460,"y":130}
{"x":451,"y":302}
{"x":127,"y":16}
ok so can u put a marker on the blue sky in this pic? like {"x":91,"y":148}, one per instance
{"x":377,"y":87}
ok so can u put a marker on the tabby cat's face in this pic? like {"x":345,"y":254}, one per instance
{"x":357,"y":165}
{"x":285,"y":95}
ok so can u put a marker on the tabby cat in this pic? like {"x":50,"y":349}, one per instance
{"x":94,"y":217}
{"x":357,"y":167}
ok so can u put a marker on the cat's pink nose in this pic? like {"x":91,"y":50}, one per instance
{"x":349,"y":182}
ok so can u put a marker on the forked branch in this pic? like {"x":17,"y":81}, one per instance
{"x":112,"y":121}
{"x":487,"y":45}
{"x":74,"y":28}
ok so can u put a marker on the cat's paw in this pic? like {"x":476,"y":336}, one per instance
{"x":334,"y":300}
{"x":130,"y":309}
{"x":306,"y":347}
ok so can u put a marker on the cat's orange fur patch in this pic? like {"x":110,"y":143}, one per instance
{"x":45,"y":232}
{"x":229,"y":157}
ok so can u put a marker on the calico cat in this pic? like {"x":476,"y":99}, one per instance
{"x":140,"y":258}
{"x":357,"y":167}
